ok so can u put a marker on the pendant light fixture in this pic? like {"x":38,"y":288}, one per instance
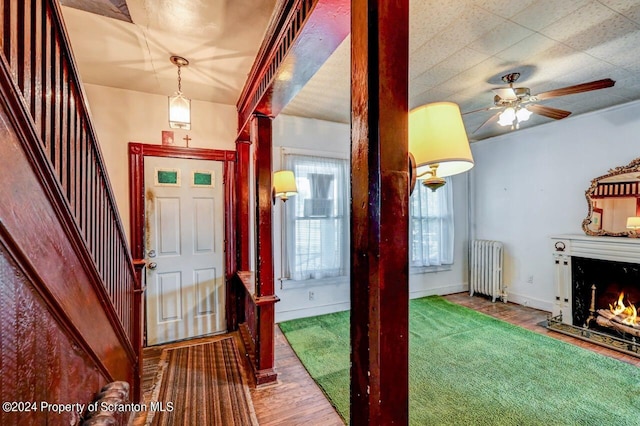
{"x":179,"y":106}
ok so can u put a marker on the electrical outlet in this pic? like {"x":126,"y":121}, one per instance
{"x":312,"y":296}
{"x":530,"y":279}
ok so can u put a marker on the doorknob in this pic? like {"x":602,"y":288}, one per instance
{"x":152,"y":265}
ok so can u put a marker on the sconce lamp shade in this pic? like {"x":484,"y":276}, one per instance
{"x":284,"y":184}
{"x":633,"y":222}
{"x":437,"y":137}
{"x":179,"y":112}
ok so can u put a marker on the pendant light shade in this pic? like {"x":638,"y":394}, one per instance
{"x":179,"y":105}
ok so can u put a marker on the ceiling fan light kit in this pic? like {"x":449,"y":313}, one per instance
{"x":513,"y":116}
{"x":518,"y":104}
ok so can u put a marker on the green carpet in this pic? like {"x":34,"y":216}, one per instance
{"x":467,"y":368}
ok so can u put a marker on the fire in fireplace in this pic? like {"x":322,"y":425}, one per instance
{"x":620,"y":316}
{"x":605,"y":296}
{"x":610,"y":279}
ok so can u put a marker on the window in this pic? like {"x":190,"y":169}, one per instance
{"x":431,"y":226}
{"x":317,"y":219}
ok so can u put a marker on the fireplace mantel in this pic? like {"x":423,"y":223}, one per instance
{"x":618,"y":249}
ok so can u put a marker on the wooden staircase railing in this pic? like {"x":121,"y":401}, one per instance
{"x":50,"y":105}
{"x":35,"y":46}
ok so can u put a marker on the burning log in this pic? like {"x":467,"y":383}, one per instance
{"x":608,"y":319}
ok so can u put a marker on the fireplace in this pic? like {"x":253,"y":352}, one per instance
{"x":597,"y":286}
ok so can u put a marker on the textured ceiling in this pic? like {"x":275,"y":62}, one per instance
{"x":458,"y":52}
{"x":460,"y":49}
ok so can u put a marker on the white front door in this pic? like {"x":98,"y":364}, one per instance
{"x":184,"y":231}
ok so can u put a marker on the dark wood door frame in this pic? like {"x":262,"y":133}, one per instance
{"x":137,"y":153}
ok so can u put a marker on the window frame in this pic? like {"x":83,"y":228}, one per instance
{"x":288,"y":223}
{"x":449,"y":217}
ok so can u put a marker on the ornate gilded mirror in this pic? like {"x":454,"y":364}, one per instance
{"x":614,"y":202}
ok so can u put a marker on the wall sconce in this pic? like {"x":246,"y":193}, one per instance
{"x":179,"y":106}
{"x":438,"y":144}
{"x":633,"y":222}
{"x":284,"y":185}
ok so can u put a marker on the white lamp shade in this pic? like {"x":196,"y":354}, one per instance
{"x":284,"y":183}
{"x":633,"y":222}
{"x":179,"y":112}
{"x":437,"y":136}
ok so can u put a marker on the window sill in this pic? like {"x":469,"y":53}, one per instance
{"x":417,"y":270}
{"x":287,"y":283}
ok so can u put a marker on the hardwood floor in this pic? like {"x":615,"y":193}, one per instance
{"x":296,"y":400}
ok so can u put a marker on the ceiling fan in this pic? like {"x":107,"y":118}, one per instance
{"x":517,"y":103}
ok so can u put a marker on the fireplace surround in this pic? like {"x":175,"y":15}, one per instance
{"x":590,"y":274}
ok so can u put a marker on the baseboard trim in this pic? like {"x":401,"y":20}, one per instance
{"x":440,"y":291}
{"x":311,"y":311}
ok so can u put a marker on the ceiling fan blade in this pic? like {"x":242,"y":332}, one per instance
{"x":507,"y":93}
{"x":481,"y":109}
{"x":488,"y":121}
{"x":556,"y":114}
{"x":578,"y":88}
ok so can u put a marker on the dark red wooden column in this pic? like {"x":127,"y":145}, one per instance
{"x":265,"y":297}
{"x":379,"y":212}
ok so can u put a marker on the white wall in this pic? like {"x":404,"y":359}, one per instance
{"x":530,"y":184}
{"x":123,"y":116}
{"x":333,"y":139}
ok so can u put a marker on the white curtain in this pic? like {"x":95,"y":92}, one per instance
{"x":431,"y":228}
{"x":316,"y":219}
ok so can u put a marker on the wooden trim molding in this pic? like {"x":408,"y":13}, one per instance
{"x":137,"y":152}
{"x":299,"y":39}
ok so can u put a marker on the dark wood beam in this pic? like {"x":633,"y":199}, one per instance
{"x":300,"y":38}
{"x":379,"y":212}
